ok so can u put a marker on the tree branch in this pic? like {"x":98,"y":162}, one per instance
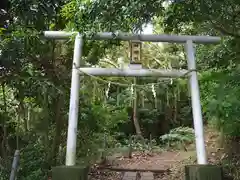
{"x":224,"y":31}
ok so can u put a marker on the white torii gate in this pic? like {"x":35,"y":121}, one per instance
{"x":77,"y":72}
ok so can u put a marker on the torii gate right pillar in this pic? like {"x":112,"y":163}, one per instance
{"x":196,"y":104}
{"x":202,"y":171}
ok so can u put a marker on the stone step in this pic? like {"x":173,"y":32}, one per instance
{"x":138,"y":176}
{"x":147,"y":176}
{"x":129,"y":176}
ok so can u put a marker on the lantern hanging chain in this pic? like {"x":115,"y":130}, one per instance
{"x":128,"y":84}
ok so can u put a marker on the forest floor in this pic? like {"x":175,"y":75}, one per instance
{"x":166,"y":165}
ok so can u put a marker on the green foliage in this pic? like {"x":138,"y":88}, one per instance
{"x":136,"y":143}
{"x":141,"y":144}
{"x":203,"y":16}
{"x":94,"y":123}
{"x":36,"y":14}
{"x":35,"y":73}
{"x":223,"y":108}
{"x":33,"y":165}
{"x":125,"y":16}
{"x":180,"y":135}
{"x":4,"y":174}
{"x":219,"y":64}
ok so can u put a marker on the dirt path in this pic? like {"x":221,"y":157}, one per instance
{"x":163,"y":166}
{"x":155,"y":166}
{"x":157,"y":162}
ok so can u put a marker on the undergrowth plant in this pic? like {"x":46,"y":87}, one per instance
{"x":178,"y":137}
{"x":137,"y":144}
{"x":141,"y":144}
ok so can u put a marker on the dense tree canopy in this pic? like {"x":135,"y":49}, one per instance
{"x":35,"y":75}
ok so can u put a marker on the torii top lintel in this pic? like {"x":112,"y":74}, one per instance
{"x":141,"y":37}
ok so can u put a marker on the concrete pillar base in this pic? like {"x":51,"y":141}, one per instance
{"x":203,"y":172}
{"x":70,"y":173}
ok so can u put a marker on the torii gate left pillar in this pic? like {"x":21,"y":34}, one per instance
{"x":74,"y":103}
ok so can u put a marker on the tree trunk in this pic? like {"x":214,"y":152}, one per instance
{"x":23,"y":113}
{"x":135,"y":112}
{"x":160,"y":105}
{"x":94,"y":92}
{"x":45,"y":131}
{"x":4,"y":126}
{"x":165,"y":122}
{"x":28,"y":118}
{"x":175,"y":108}
{"x":118,"y":98}
{"x":57,"y":137}
{"x":167,"y":98}
{"x":155,"y":102}
{"x":222,"y":138}
{"x":143,"y":100}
